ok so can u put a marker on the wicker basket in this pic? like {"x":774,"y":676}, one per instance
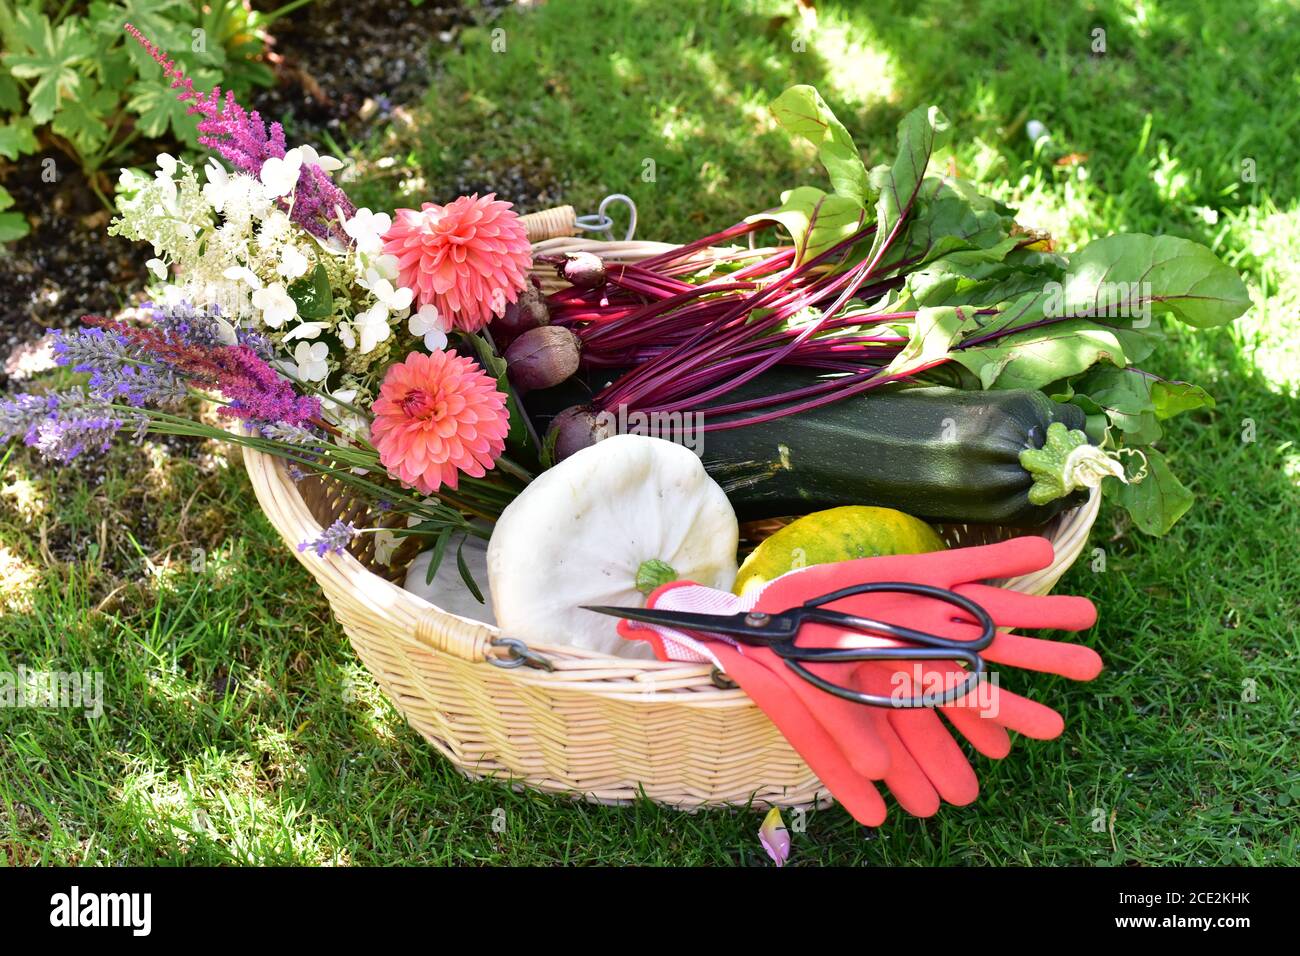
{"x":605,"y":728}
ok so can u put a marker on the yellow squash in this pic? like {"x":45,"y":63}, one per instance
{"x":837,"y":534}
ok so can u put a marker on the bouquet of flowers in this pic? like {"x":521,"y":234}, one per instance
{"x":324,"y":332}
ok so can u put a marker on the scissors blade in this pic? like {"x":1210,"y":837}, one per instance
{"x":733,"y":624}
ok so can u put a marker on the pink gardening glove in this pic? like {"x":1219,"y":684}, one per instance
{"x":925,"y":763}
{"x":836,"y":738}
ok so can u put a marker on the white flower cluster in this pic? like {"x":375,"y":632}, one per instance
{"x":229,"y":242}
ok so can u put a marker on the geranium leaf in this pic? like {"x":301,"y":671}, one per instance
{"x":17,"y":138}
{"x":50,"y":58}
{"x":13,"y":226}
{"x":81,"y":120}
{"x":159,"y":109}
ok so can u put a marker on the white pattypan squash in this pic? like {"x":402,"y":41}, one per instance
{"x":582,"y":530}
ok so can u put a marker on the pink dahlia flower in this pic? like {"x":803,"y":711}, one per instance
{"x":438,"y":415}
{"x":468,"y":258}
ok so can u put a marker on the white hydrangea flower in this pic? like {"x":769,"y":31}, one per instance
{"x":214,"y":190}
{"x":385,"y":545}
{"x":292,"y":263}
{"x":328,"y":163}
{"x":166,"y":165}
{"x":225,"y":331}
{"x":427,"y":324}
{"x":280,"y":176}
{"x":173,"y":295}
{"x":394,"y":299}
{"x":243,"y":200}
{"x":345,"y":395}
{"x":375,"y":269}
{"x":243,"y":274}
{"x":371,"y":327}
{"x":157,"y":267}
{"x":306,"y":330}
{"x":312,"y":361}
{"x":275,"y":305}
{"x":273,"y":230}
{"x":367,"y":229}
{"x":346,"y":335}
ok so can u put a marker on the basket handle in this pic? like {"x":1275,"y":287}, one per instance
{"x":550,"y":223}
{"x":447,"y":634}
{"x":474,"y":642}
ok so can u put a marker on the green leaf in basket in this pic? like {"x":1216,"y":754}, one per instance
{"x":1124,"y":396}
{"x":1173,"y":398}
{"x":520,"y":441}
{"x":312,"y":295}
{"x":1037,"y":357}
{"x":933,"y":333}
{"x":1127,"y":275}
{"x":921,"y":132}
{"x":465,"y":576}
{"x":435,"y":560}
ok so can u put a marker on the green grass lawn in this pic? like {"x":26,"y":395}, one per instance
{"x":238,"y":725}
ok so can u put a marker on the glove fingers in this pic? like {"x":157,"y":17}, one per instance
{"x":805,"y":734}
{"x":905,"y":779}
{"x":1023,"y":715}
{"x":989,"y":703}
{"x":1051,"y":657}
{"x":1005,"y":559}
{"x":937,"y":754}
{"x":985,"y":734}
{"x":945,"y":568}
{"x":1008,"y":608}
{"x":846,"y":722}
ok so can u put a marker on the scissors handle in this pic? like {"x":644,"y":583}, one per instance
{"x":932,"y":646}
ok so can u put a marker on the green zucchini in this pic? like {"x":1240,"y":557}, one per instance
{"x":943,"y":454}
{"x":937,"y":453}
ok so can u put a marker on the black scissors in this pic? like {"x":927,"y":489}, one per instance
{"x":778,"y":631}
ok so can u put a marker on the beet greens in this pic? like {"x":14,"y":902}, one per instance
{"x":898,"y":275}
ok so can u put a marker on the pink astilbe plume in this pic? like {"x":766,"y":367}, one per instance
{"x":256,"y":392}
{"x":468,"y":258}
{"x":246,"y":142}
{"x":438,"y":415}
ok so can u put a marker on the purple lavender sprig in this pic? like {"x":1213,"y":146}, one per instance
{"x":333,"y":540}
{"x":255,"y":390}
{"x":119,"y":371}
{"x":62,"y":425}
{"x":247,"y":142}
